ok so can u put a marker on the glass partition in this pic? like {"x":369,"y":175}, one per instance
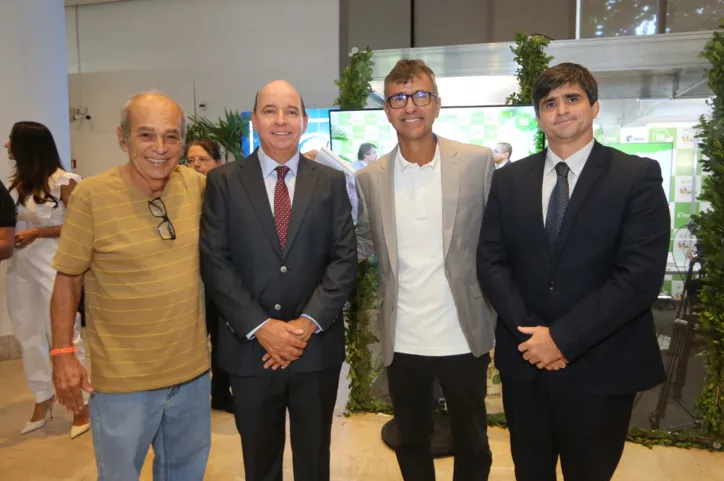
{"x":617,"y":18}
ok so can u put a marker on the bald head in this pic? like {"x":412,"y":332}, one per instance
{"x":277,"y":87}
{"x":140,"y":105}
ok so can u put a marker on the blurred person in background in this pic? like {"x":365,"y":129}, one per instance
{"x":501,"y":154}
{"x":40,"y":189}
{"x":204,"y":155}
{"x":367,"y":153}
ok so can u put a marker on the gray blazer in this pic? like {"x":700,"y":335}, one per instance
{"x":467,"y":171}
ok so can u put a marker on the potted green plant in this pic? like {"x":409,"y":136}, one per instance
{"x":228,"y":132}
{"x":354,"y":88}
{"x":709,"y":236}
{"x":532,"y":61}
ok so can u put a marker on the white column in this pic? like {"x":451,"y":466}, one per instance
{"x":33,"y":83}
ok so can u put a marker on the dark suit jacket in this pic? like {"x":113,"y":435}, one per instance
{"x":250,"y":279}
{"x":596,"y":293}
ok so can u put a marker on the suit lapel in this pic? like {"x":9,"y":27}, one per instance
{"x":589,"y":175}
{"x":533,"y":188}
{"x":450,"y":172}
{"x":386,"y":201}
{"x":303,"y":190}
{"x":253,"y":181}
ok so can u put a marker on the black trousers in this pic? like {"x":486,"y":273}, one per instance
{"x":220,"y":383}
{"x":260,"y":407}
{"x":552,"y":416}
{"x":463,"y":380}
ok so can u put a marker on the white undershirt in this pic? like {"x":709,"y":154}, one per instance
{"x":427,"y":320}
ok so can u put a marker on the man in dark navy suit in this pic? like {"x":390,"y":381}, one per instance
{"x":279,"y":258}
{"x":572,"y":254}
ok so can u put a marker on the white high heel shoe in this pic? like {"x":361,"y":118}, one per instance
{"x":76,"y":431}
{"x":31,"y":426}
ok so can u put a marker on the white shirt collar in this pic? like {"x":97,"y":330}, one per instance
{"x":404,"y":164}
{"x":575,"y":161}
{"x":503,"y":164}
{"x":268,"y":164}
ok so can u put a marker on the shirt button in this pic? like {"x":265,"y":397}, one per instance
{"x":551,"y":286}
{"x":283,"y":269}
{"x":278,"y":307}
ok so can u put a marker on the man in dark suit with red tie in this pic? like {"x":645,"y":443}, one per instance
{"x":279,"y":258}
{"x":571,"y":255}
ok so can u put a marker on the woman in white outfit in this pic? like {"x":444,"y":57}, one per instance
{"x":40,"y":188}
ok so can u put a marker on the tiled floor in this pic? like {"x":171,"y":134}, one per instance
{"x":357,"y":450}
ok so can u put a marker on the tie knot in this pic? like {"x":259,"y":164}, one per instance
{"x":282,"y":171}
{"x":562,"y":169}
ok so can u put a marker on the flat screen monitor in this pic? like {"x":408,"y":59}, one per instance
{"x":315,"y":137}
{"x":662,"y":152}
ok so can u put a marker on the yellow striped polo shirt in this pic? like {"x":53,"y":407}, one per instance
{"x":144,"y":304}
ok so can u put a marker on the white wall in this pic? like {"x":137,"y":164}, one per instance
{"x":33,"y":84}
{"x":226,"y":49}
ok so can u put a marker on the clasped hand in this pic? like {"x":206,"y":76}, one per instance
{"x":541,"y":350}
{"x":284,"y":342}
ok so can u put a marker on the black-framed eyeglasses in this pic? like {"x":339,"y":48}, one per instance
{"x":158,"y":210}
{"x":420,"y":98}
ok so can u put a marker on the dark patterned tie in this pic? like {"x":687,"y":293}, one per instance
{"x":557,"y":207}
{"x":282,"y":205}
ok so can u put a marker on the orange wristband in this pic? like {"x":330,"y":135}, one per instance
{"x":63,"y":350}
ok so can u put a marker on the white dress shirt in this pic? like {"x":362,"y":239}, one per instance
{"x":575,"y":162}
{"x":427,"y":319}
{"x":359,"y":164}
{"x":269,"y":173}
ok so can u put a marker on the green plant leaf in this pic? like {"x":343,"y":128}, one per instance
{"x":339,"y":134}
{"x":227,"y":132}
{"x":354,"y":84}
{"x":532,"y":61}
{"x":710,"y":329}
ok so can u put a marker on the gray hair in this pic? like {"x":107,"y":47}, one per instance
{"x":126,"y":112}
{"x":506,"y":148}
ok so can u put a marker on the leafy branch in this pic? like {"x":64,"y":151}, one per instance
{"x":354,"y":84}
{"x":227,"y":132}
{"x":710,"y":236}
{"x":354,"y":88}
{"x":532,"y":61}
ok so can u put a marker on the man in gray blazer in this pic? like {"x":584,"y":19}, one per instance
{"x":420,"y":210}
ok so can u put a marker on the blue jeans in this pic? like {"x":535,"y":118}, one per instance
{"x":175,"y":420}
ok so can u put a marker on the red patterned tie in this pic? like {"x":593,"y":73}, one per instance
{"x":282,"y":205}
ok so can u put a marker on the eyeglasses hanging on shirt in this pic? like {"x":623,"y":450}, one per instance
{"x":158,"y":210}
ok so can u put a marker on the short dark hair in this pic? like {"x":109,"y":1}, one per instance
{"x":256,"y":103}
{"x":364,"y":150}
{"x":208,"y":145}
{"x":407,"y":69}
{"x":562,"y":74}
{"x":506,"y":148}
